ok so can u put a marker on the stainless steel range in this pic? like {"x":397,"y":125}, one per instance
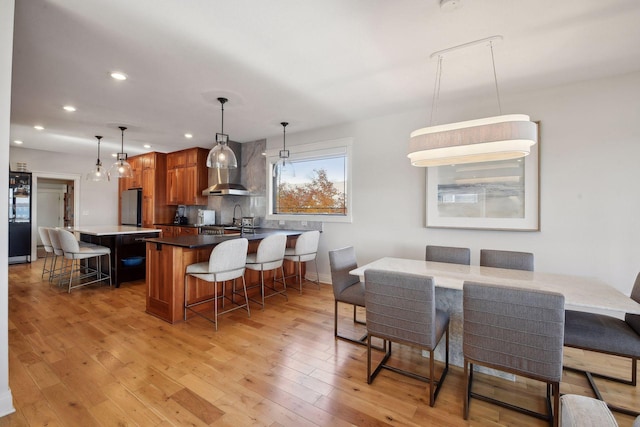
{"x":212,"y":230}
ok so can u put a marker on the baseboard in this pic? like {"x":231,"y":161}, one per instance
{"x":6,"y":404}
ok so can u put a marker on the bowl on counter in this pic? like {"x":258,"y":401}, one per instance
{"x":132,"y":261}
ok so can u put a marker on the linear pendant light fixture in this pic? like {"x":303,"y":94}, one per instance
{"x":121,"y":168}
{"x":493,"y":138}
{"x":98,"y":173}
{"x":222,"y":156}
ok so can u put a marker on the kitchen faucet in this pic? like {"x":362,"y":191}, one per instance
{"x":237,"y":220}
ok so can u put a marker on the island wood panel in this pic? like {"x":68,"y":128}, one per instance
{"x":166,"y":266}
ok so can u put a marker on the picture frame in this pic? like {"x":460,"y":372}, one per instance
{"x":497,"y":195}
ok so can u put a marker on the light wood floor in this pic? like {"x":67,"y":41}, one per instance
{"x":93,"y":357}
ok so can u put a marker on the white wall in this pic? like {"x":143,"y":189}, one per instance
{"x":589,"y":203}
{"x":6,"y":48}
{"x":96,"y":202}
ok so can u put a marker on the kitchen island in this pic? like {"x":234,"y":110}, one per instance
{"x":168,"y":258}
{"x":127,"y":248}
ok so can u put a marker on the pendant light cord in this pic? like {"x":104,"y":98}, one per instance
{"x":495,"y":77}
{"x":436,"y":92}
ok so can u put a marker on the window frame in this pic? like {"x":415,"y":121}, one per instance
{"x":312,"y":151}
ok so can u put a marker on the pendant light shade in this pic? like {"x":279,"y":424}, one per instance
{"x":121,"y":168}
{"x":284,"y":166}
{"x":482,"y":140}
{"x":221,"y":155}
{"x":99,"y":172}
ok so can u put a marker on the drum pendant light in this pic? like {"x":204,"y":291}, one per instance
{"x":221,"y":155}
{"x":121,"y":168}
{"x":283,"y":165}
{"x":493,"y":138}
{"x":98,"y":173}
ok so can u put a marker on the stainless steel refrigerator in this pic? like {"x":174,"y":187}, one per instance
{"x":19,"y":217}
{"x":131,"y":207}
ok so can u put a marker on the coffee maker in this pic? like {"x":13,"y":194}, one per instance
{"x":180,"y":217}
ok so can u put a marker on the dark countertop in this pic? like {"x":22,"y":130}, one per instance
{"x":203,"y":240}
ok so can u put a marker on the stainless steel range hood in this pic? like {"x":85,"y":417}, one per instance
{"x":226,"y":189}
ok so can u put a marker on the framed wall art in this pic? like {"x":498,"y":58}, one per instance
{"x":497,"y":195}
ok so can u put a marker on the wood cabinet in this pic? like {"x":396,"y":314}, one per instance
{"x":149,"y":173}
{"x":187,"y":176}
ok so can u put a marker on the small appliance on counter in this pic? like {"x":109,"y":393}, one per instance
{"x":180,"y":217}
{"x":206,"y":217}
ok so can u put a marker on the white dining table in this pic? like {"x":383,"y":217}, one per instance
{"x":581,"y":293}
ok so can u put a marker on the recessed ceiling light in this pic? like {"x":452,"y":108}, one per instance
{"x":38,"y":127}
{"x":147,"y":145}
{"x":118,"y":75}
{"x":70,"y":108}
{"x":188,"y":135}
{"x":17,"y":141}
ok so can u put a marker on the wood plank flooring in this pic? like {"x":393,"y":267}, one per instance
{"x":94,"y":358}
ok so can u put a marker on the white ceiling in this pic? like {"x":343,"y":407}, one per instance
{"x":311,"y":63}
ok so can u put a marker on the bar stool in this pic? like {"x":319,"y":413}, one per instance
{"x":226,"y":262}
{"x":269,"y":256}
{"x":305,"y":250}
{"x":48,"y":250}
{"x":56,"y":272}
{"x":75,"y":252}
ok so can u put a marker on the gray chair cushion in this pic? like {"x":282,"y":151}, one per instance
{"x":354,"y":294}
{"x":601,"y":333}
{"x":518,"y":330}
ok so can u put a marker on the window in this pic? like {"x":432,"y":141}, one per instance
{"x":320,"y":187}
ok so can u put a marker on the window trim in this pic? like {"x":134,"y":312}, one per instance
{"x":308,"y":151}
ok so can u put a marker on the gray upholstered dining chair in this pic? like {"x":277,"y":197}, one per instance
{"x":506,"y":259}
{"x":610,"y":335}
{"x":226,"y":262}
{"x":269,"y":256}
{"x":305,"y":250}
{"x":75,"y":252}
{"x":401,"y":308}
{"x":347,"y":288}
{"x":448,"y":254}
{"x":514,"y":330}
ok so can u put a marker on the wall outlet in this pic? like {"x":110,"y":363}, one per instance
{"x":281,"y":222}
{"x":303,"y":223}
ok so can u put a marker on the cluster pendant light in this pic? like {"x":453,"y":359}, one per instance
{"x":493,"y":138}
{"x":284,"y":166}
{"x":121,"y":168}
{"x":98,"y":173}
{"x":221,"y":155}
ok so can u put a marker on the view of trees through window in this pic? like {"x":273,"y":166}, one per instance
{"x":317,"y":188}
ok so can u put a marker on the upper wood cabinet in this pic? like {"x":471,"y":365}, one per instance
{"x":149,"y":173}
{"x":187,"y":176}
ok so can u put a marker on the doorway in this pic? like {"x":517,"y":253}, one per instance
{"x":54,"y":205}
